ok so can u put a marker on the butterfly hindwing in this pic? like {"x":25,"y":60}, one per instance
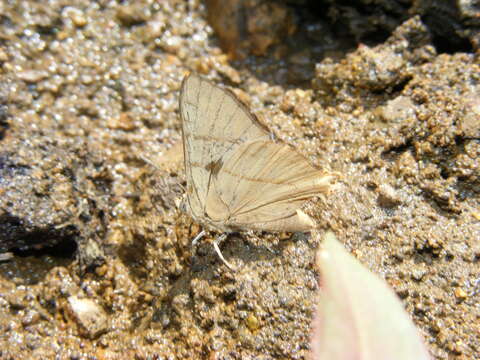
{"x":262,"y":185}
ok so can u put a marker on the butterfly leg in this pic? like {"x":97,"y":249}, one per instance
{"x":198,"y":237}
{"x":219,"y":253}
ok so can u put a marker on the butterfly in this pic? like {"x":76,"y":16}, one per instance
{"x":238,"y":176}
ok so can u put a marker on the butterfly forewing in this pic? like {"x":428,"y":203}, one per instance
{"x":214,"y":123}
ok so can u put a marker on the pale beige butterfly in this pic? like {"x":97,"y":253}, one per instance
{"x":238,"y":177}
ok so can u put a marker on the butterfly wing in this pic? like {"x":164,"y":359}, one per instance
{"x":214,"y":123}
{"x":262,"y":185}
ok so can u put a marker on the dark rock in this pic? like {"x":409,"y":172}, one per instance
{"x":249,"y":26}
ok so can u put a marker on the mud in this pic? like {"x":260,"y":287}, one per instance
{"x":91,"y":170}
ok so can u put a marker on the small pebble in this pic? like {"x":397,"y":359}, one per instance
{"x":77,"y":16}
{"x":6,"y":256}
{"x":388,"y":196}
{"x":32,"y":76}
{"x":460,"y":294}
{"x":30,"y":318}
{"x":122,"y":122}
{"x":90,"y":317}
{"x":418,"y":275}
{"x":252,"y":322}
{"x":3,"y":55}
{"x":129,"y":15}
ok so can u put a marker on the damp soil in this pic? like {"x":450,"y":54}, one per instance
{"x":97,"y":261}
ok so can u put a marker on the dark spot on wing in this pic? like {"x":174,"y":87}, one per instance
{"x":214,"y":167}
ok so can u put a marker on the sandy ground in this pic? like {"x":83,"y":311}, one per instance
{"x":91,"y":167}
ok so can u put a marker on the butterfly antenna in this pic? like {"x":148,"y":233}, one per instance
{"x":146,"y":160}
{"x":162,"y":179}
{"x":219,"y":253}
{"x":149,"y":162}
{"x":152,"y":164}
